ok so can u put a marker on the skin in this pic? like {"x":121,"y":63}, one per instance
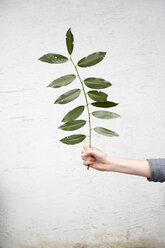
{"x":101,"y":161}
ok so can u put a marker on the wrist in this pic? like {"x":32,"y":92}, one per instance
{"x":112,"y":163}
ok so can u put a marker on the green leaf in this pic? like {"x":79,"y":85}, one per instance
{"x":96,"y":83}
{"x":62,"y":81}
{"x":91,"y":59}
{"x":73,"y":139}
{"x":69,"y":41}
{"x":73,"y":114}
{"x":97,"y":96}
{"x":105,"y":131}
{"x":53,"y":58}
{"x":68,"y":96}
{"x":72,"y":125}
{"x":106,"y":104}
{"x":105,"y":114}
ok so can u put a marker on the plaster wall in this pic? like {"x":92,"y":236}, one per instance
{"x":47,"y":197}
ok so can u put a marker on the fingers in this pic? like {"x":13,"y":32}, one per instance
{"x":87,"y":156}
{"x":88,"y":151}
{"x":86,"y":163}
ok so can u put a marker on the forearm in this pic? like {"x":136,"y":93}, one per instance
{"x":130,"y":166}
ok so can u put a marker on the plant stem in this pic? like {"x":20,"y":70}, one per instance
{"x":86,"y":100}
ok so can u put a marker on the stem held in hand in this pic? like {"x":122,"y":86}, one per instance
{"x":70,"y":121}
{"x":86,"y":100}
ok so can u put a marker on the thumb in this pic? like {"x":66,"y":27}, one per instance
{"x":86,"y":147}
{"x":89,"y":151}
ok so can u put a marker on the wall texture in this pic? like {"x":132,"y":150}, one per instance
{"x":47,"y":198}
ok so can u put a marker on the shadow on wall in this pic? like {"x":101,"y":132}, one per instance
{"x":141,"y":243}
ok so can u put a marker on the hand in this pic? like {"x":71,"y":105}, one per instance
{"x":95,"y":158}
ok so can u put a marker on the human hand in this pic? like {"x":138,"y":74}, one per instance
{"x":95,"y":158}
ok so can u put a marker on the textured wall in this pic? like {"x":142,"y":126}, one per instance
{"x":46,"y":195}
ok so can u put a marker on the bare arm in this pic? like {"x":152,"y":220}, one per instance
{"x":100,"y":161}
{"x":130,"y":166}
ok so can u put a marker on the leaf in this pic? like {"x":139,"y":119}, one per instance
{"x":106,"y":104}
{"x":73,"y":114}
{"x":69,"y":41}
{"x":53,"y":58}
{"x":96,"y":83}
{"x":97,"y":96}
{"x":68,"y":96}
{"x":105,"y":114}
{"x":91,"y":59}
{"x":73,"y":139}
{"x":62,"y":81}
{"x":72,"y":125}
{"x":105,"y":131}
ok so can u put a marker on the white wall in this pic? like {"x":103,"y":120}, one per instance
{"x":47,"y":197}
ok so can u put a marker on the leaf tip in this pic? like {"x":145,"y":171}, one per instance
{"x":104,"y":53}
{"x":69,"y":29}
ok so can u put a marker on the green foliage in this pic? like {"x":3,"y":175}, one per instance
{"x":53,"y":58}
{"x":91,"y":59}
{"x":62,"y":81}
{"x":73,"y":139}
{"x":70,"y":121}
{"x":106,"y":104}
{"x":96,"y":83}
{"x":105,"y":114}
{"x":105,"y":131}
{"x":73,"y":114}
{"x":72,"y":125}
{"x":68,"y":96}
{"x":98,"y":96}
{"x":69,"y":41}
